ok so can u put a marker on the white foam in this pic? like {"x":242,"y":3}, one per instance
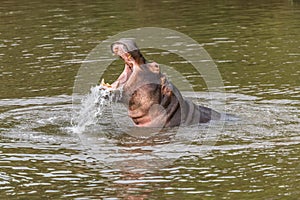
{"x":93,"y":106}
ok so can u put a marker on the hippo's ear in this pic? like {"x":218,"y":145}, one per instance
{"x":154,"y":67}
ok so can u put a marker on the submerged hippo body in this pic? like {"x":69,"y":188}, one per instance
{"x":152,"y":100}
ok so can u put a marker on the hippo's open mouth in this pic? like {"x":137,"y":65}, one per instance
{"x":121,"y":50}
{"x":130,"y":54}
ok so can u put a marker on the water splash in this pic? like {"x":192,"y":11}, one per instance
{"x":93,"y":107}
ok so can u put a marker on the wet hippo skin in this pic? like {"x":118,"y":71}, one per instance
{"x":152,"y":100}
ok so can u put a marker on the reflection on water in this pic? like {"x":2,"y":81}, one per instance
{"x":256,"y":47}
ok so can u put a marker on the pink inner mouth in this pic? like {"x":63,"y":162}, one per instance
{"x":120,"y":50}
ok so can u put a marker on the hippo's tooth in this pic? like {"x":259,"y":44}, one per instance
{"x":102,"y":82}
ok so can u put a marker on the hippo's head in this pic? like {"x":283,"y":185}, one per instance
{"x":146,"y":91}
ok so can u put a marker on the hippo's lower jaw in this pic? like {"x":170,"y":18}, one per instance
{"x":123,"y":78}
{"x":153,"y":101}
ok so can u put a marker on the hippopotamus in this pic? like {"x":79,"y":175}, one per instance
{"x":152,"y":100}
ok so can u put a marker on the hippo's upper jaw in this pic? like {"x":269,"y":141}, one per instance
{"x":128,"y":51}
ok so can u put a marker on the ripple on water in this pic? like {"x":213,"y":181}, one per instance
{"x":48,"y":120}
{"x":38,"y":147}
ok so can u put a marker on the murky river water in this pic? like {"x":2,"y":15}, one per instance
{"x":256,"y":48}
